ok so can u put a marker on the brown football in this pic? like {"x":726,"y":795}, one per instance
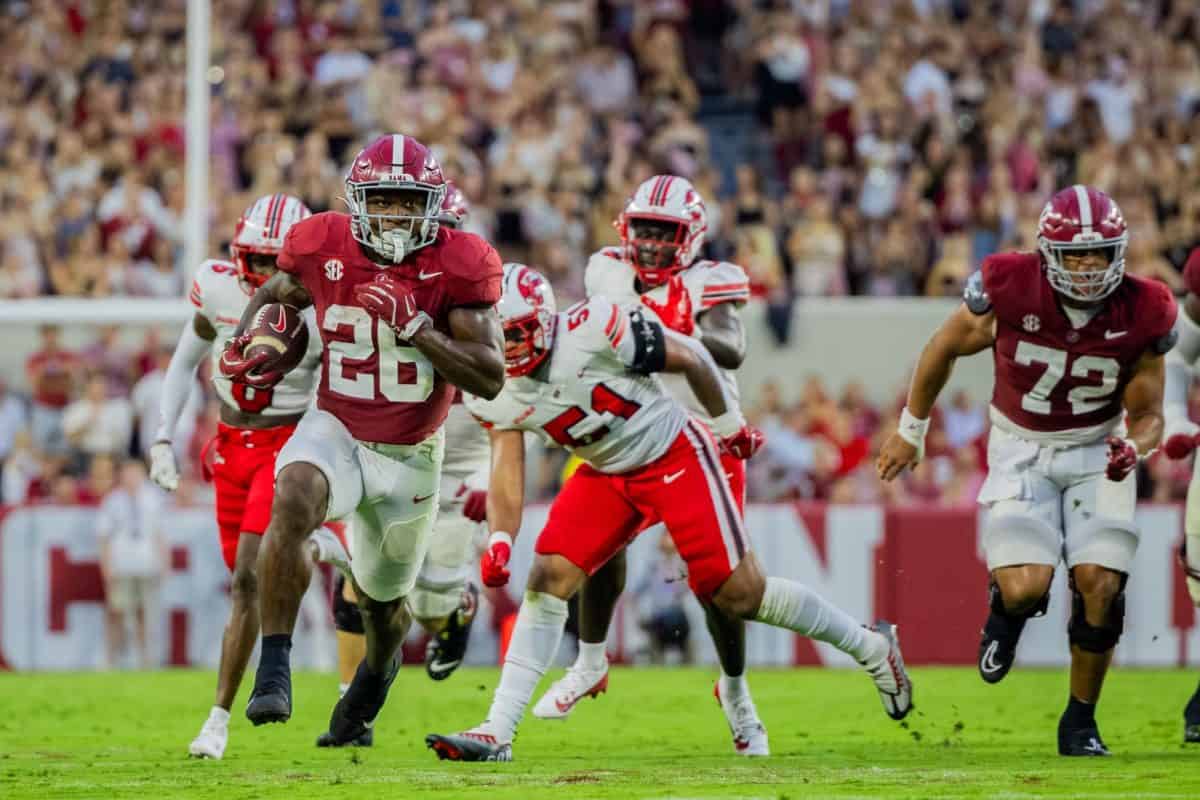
{"x":279,"y":330}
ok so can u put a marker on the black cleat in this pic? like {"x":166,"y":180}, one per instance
{"x":999,"y":637}
{"x":366,"y":740}
{"x":1081,"y":742}
{"x":271,"y":700}
{"x":355,"y":713}
{"x":446,"y":650}
{"x":469,"y":746}
{"x":1191,"y":719}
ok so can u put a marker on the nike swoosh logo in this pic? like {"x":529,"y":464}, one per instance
{"x":424,"y":276}
{"x":443,"y":666}
{"x":673,"y":476}
{"x":419,"y":499}
{"x":565,"y":706}
{"x":280,"y":323}
{"x":1114,"y":334}
{"x":988,"y":663}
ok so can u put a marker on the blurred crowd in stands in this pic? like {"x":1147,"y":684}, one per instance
{"x":844,"y":146}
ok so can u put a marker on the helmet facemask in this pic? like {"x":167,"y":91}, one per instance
{"x":255,"y":265}
{"x":394,"y":234}
{"x":527,"y":342}
{"x":1085,"y":285}
{"x":654,"y":245}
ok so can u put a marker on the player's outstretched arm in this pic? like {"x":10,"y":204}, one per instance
{"x":723,"y":335}
{"x":193,"y":346}
{"x":472,"y":356}
{"x":1143,"y":402}
{"x":505,"y":502}
{"x":964,"y":333}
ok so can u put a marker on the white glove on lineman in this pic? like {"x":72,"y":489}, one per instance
{"x":163,"y":469}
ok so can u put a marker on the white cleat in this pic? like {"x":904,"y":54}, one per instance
{"x":749,"y":734}
{"x":891,"y":679}
{"x":210,"y":742}
{"x":568,"y":690}
{"x":327,"y":548}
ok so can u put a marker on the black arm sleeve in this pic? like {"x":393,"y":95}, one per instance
{"x":649,"y":341}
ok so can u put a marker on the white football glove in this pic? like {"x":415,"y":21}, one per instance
{"x":163,"y":469}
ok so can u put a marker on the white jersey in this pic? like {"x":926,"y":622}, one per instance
{"x":468,"y":450}
{"x":219,"y":297}
{"x":590,"y":401}
{"x":708,"y":283}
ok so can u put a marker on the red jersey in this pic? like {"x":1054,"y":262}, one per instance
{"x":379,"y":387}
{"x":1053,"y":377}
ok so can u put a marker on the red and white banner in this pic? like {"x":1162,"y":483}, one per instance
{"x":919,"y":568}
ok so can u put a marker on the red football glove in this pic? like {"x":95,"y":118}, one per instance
{"x":493,"y":565}
{"x":676,"y":312}
{"x":745,"y":443}
{"x":240,"y":369}
{"x":1181,"y":445}
{"x":393,"y":302}
{"x":1122,"y":458}
{"x":474,"y":504}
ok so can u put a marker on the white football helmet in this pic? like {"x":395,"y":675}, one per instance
{"x":261,"y":229}
{"x":662,"y":227}
{"x":527,"y":312}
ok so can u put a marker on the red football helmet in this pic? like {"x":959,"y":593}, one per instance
{"x":260,"y":230}
{"x":671,"y":205}
{"x":527,"y":312}
{"x":455,"y":208}
{"x":395,"y":163}
{"x":1078,"y":219}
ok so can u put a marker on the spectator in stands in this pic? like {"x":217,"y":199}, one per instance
{"x":14,"y":418}
{"x":963,"y":421}
{"x":97,"y":424}
{"x":132,"y":561}
{"x":21,"y":468}
{"x":52,"y":373}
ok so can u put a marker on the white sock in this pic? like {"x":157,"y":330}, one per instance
{"x":792,"y":605}
{"x":342,"y":688}
{"x":731,"y":687}
{"x":534,"y":642}
{"x":219,"y":715}
{"x":593,"y":656}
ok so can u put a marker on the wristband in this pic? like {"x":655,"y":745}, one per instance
{"x":728,"y":423}
{"x":912,"y":430}
{"x":498,"y":537}
{"x":414,"y":326}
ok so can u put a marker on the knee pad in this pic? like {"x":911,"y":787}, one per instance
{"x":346,"y":617}
{"x":996,"y":603}
{"x":428,"y":602}
{"x":1102,"y":638}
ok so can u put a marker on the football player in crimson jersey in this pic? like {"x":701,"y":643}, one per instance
{"x":406,"y":312}
{"x":254,"y":425}
{"x":586,"y":380}
{"x":1182,"y":435}
{"x":1078,"y":348}
{"x":443,"y":602}
{"x":662,"y":228}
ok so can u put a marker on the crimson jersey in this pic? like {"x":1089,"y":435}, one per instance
{"x":379,"y":387}
{"x":1053,"y":377}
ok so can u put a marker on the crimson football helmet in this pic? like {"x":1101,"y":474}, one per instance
{"x":395,"y":163}
{"x":527,"y":312}
{"x":455,"y":208}
{"x":1078,"y":219}
{"x":662,"y":200}
{"x":260,"y":230}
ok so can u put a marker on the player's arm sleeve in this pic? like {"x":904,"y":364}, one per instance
{"x":725,"y":283}
{"x":177,"y":383}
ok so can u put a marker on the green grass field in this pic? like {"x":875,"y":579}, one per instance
{"x":658,"y":733}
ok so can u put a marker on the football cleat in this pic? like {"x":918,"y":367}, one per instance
{"x":366,"y":740}
{"x":355,"y":713}
{"x":474,"y":745}
{"x":568,"y":690}
{"x":749,"y":734}
{"x":1081,"y":742}
{"x":891,"y":679}
{"x":210,"y":742}
{"x":446,"y":650}
{"x":328,"y":549}
{"x":1191,"y":719}
{"x":271,"y":700}
{"x":1000,"y":634}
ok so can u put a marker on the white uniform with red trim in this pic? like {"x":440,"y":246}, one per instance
{"x":219,"y":297}
{"x":613,"y":419}
{"x":709,"y":283}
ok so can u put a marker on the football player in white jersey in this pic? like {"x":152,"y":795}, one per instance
{"x":254,"y":425}
{"x":586,"y":380}
{"x":443,"y":602}
{"x":1181,"y":436}
{"x":662,"y":228}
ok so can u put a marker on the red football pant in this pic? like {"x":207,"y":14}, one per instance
{"x":244,"y":478}
{"x":597,"y":514}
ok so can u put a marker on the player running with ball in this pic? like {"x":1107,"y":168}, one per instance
{"x":586,"y":380}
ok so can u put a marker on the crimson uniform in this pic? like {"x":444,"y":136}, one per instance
{"x":1060,"y":374}
{"x":376,"y":431}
